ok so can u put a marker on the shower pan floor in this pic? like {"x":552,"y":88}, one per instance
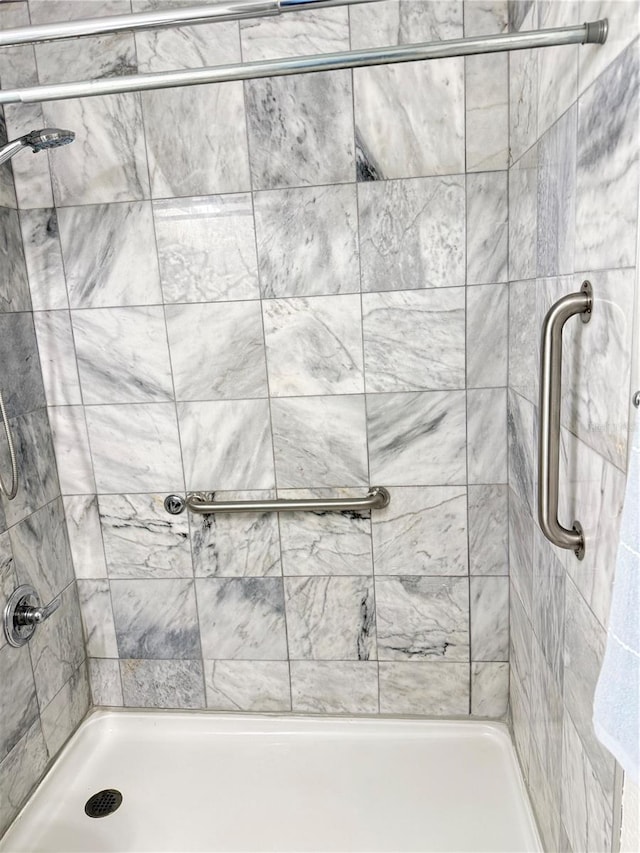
{"x":213,"y":782}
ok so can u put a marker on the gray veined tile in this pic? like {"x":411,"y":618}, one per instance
{"x":151,"y":460}
{"x":43,"y":258}
{"x":14,"y":287}
{"x":417,"y":438}
{"x":307,"y":241}
{"x":35,"y":456}
{"x":122,"y":355}
{"x":301,"y":130}
{"x":523,"y":187}
{"x":403,"y":22}
{"x":320,"y":441}
{"x":520,"y":432}
{"x":412,"y":233}
{"x":325,"y":543}
{"x":412,"y":340}
{"x":141,"y":539}
{"x":402,"y":134}
{"x":487,"y":435}
{"x":226,"y":445}
{"x":423,"y":531}
{"x":520,"y":644}
{"x":314,"y":346}
{"x":107,"y":162}
{"x":109,"y":254}
{"x":22,"y":386}
{"x":242,"y":618}
{"x":423,"y":618}
{"x":106,"y":686}
{"x":488,"y":530}
{"x":217,"y":350}
{"x":624,"y":27}
{"x":546,"y":727}
{"x":21,"y":771}
{"x":487,"y":227}
{"x":212,"y":155}
{"x":206,"y":248}
{"x":558,"y":68}
{"x":31,"y":175}
{"x":242,"y":544}
{"x":486,"y":17}
{"x":73,"y":456}
{"x":97,"y":618}
{"x":305,"y":33}
{"x":331,"y":618}
{"x":487,"y":335}
{"x":489,"y":618}
{"x":162,"y":683}
{"x":521,"y":550}
{"x":424,"y":689}
{"x":18,"y":704}
{"x":243,"y":685}
{"x":523,"y":101}
{"x":85,"y":536}
{"x":17,"y":64}
{"x":548,"y":602}
{"x":489,"y":689}
{"x":487,"y":111}
{"x":524,"y":334}
{"x":156,"y":619}
{"x":57,"y":357}
{"x":8,"y":580}
{"x":334,"y":687}
{"x":64,"y":713}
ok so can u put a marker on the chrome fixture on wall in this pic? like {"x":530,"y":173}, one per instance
{"x":549,"y":414}
{"x":377,"y":498}
{"x":24,"y":612}
{"x":37,"y":140}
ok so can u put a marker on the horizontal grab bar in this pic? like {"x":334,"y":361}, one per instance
{"x":377,"y":498}
{"x":549,"y":429}
{"x":594,"y":32}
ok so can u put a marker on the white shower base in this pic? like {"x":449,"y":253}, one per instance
{"x":210,"y":782}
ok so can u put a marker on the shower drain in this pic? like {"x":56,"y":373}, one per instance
{"x":103,"y":803}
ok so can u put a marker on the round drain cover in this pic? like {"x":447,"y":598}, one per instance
{"x":103,"y":803}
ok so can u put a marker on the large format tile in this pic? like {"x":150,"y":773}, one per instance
{"x":489,"y":689}
{"x":487,"y":436}
{"x":423,"y":618}
{"x":301,"y":130}
{"x":488,"y":530}
{"x":85,"y":536}
{"x":487,"y":230}
{"x":73,"y":456}
{"x":334,"y":687}
{"x":314,"y":346}
{"x":325,"y":543}
{"x":20,"y":772}
{"x":217,"y":351}
{"x":244,"y":544}
{"x":22,"y":387}
{"x":14,"y":287}
{"x":331,"y":618}
{"x":423,"y":531}
{"x":97,"y":618}
{"x":303,"y":33}
{"x":424,"y":689}
{"x":242,"y":618}
{"x":523,"y":211}
{"x":412,"y":233}
{"x":152,"y":459}
{"x":106,"y":684}
{"x":206,"y":248}
{"x":109,"y":255}
{"x":156,"y":619}
{"x":413,"y":340}
{"x":64,"y":713}
{"x":624,"y":27}
{"x":122,"y":355}
{"x":489,"y":607}
{"x":18,"y":703}
{"x":141,"y":539}
{"x":523,"y":100}
{"x":41,"y":551}
{"x":244,"y":685}
{"x":31,"y":175}
{"x":487,"y":335}
{"x":487,"y":110}
{"x":320,"y":441}
{"x":162,"y":683}
{"x":43,"y":258}
{"x":558,"y":67}
{"x":226,"y":445}
{"x":307,"y":239}
{"x":520,"y":432}
{"x":607,"y":175}
{"x":57,"y":358}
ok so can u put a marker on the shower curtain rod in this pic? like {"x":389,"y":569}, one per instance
{"x":232,"y":10}
{"x":594,"y":32}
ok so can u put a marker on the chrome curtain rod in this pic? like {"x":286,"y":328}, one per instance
{"x":232,"y":10}
{"x":377,"y":498}
{"x":594,"y":32}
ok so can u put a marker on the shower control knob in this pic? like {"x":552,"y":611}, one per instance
{"x":24,"y":613}
{"x":174,"y":504}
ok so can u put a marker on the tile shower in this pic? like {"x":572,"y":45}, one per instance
{"x":308,"y":285}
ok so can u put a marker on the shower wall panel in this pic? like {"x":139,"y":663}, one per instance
{"x":44,"y":688}
{"x":573,"y":194}
{"x":296,"y":287}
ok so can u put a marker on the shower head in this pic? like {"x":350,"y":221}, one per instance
{"x":37,"y":140}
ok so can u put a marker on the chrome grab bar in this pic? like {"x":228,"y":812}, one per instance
{"x":549,"y":414}
{"x":377,"y":498}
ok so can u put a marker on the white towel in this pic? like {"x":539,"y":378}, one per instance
{"x":616,"y":710}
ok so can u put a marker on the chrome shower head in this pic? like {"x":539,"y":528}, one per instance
{"x":37,"y":140}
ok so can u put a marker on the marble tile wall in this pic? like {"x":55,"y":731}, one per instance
{"x":291,"y":286}
{"x":44,"y":686}
{"x":573,"y":184}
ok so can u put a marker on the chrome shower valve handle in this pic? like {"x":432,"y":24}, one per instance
{"x":24,"y":612}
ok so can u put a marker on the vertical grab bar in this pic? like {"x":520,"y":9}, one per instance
{"x":549,"y":428}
